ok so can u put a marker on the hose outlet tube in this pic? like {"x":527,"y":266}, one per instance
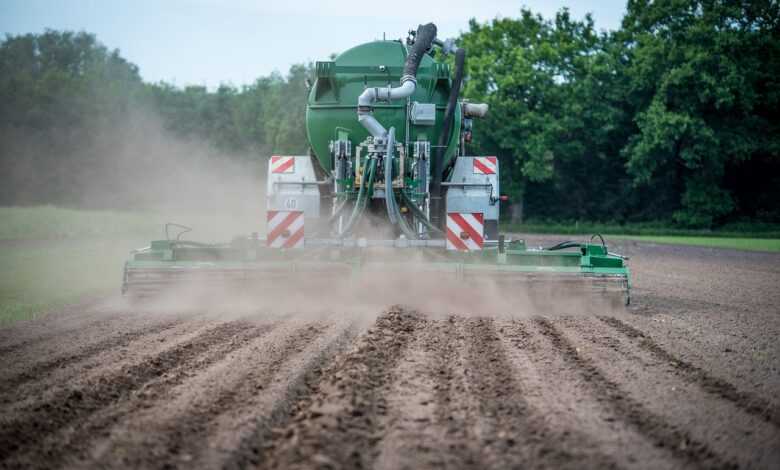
{"x":437,"y":167}
{"x":366,"y":188}
{"x":477,"y":110}
{"x":393,"y":211}
{"x":408,"y":83}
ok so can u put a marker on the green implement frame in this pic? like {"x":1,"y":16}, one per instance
{"x":169,"y":262}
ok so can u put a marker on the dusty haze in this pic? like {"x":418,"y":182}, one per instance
{"x":137,"y":164}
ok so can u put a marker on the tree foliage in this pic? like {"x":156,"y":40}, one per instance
{"x":669,"y":117}
{"x":74,"y":115}
{"x":703,"y":81}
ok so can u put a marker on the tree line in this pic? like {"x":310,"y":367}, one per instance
{"x":673,"y":117}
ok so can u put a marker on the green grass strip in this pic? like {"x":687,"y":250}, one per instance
{"x":41,"y":277}
{"x":651,"y":229}
{"x":750,"y":244}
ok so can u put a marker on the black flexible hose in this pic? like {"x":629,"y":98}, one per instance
{"x":603,"y":243}
{"x":444,"y":136}
{"x":393,"y":211}
{"x":564,"y":245}
{"x":573,"y":244}
{"x":422,"y":42}
{"x":418,"y":213}
{"x":366,"y":187}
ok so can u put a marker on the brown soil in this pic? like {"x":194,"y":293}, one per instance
{"x":688,"y":377}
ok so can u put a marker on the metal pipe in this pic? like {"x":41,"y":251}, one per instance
{"x":388,"y":93}
{"x":373,"y":127}
{"x":424,"y":38}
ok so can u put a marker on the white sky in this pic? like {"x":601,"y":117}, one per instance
{"x":208,"y":42}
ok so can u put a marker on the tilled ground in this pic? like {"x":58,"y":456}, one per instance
{"x":686,"y":378}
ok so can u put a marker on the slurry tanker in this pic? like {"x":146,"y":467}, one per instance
{"x":387,"y":187}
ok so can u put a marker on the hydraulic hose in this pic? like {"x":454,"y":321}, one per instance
{"x":564,"y":245}
{"x":444,"y":137}
{"x":393,"y":213}
{"x":390,"y":204}
{"x":418,"y":213}
{"x":366,"y":186}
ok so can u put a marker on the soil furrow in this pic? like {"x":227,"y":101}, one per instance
{"x":575,"y":413}
{"x":452,"y":401}
{"x":680,"y":442}
{"x":511,"y":433}
{"x":194,"y":435}
{"x":66,"y":410}
{"x":340,"y":425}
{"x":73,"y":318}
{"x":706,"y":418}
{"x":284,"y":398}
{"x":57,"y":333}
{"x":748,"y":402}
{"x":40,"y":370}
{"x":94,"y":368}
{"x":425,"y":428}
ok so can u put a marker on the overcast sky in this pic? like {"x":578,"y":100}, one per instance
{"x":208,"y":42}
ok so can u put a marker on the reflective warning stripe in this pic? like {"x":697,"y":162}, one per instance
{"x":485,"y":165}
{"x":285,"y":229}
{"x":282,"y":164}
{"x":465,"y":231}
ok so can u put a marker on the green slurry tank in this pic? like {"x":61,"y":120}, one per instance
{"x":330,"y":110}
{"x":388,"y":185}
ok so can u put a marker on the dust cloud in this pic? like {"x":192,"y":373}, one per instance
{"x":336,"y":294}
{"x":142,"y":165}
{"x":186,"y":181}
{"x":137,"y":164}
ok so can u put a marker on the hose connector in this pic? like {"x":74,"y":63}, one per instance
{"x":477,"y":110}
{"x":409,"y":78}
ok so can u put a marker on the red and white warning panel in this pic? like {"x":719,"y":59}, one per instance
{"x":465,"y":231}
{"x":282,"y":164}
{"x":285,"y":229}
{"x":485,"y":165}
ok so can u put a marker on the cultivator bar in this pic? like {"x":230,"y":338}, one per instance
{"x":252,"y":264}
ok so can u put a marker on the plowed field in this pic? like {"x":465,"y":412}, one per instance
{"x":687,"y":377}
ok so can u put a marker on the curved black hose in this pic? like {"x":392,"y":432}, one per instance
{"x":573,"y":244}
{"x":603,"y":243}
{"x":366,"y":186}
{"x":564,"y":245}
{"x":444,"y":135}
{"x":393,"y":212}
{"x":422,"y":42}
{"x":418,"y":213}
{"x":392,"y":209}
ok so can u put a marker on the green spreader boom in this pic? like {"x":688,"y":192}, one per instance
{"x":249,"y":261}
